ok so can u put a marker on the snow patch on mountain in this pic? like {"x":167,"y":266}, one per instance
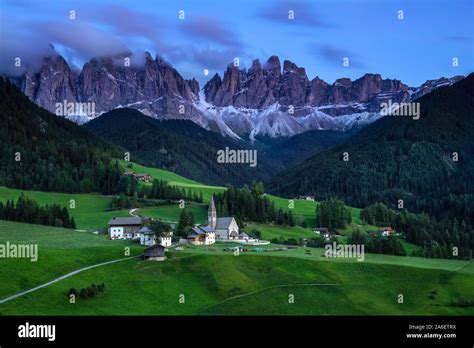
{"x":211,"y":114}
{"x":274,"y":122}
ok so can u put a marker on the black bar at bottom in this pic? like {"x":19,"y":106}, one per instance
{"x":455,"y":330}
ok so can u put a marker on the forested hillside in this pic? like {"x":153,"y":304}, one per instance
{"x":427,"y":163}
{"x":177,"y":145}
{"x":284,"y":152}
{"x":40,"y":151}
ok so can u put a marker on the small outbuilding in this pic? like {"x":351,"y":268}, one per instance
{"x":155,"y":253}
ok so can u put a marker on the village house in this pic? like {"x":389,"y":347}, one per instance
{"x":244,"y":236}
{"x":124,"y":228}
{"x":143,"y":177}
{"x":387,"y":231}
{"x":155,"y":253}
{"x":322,"y":231}
{"x":140,"y":177}
{"x":147,"y":236}
{"x":202,"y":235}
{"x":167,"y":239}
{"x":306,"y":198}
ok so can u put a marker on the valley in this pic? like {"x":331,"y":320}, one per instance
{"x":213,"y":172}
{"x":212,"y":280}
{"x":303,"y":206}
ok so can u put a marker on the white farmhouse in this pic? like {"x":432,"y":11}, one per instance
{"x":124,"y":228}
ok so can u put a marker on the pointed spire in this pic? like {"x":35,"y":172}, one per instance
{"x":212,"y":207}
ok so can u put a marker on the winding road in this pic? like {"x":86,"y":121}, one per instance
{"x":132,"y":212}
{"x":64,"y":277}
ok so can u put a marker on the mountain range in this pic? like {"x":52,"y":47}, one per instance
{"x":269,"y":99}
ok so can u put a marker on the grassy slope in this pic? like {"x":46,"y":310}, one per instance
{"x":59,"y":251}
{"x":210,"y":284}
{"x":317,"y":254}
{"x":90,"y":208}
{"x":275,"y":231}
{"x":210,"y":280}
{"x":90,"y":211}
{"x":175,"y":179}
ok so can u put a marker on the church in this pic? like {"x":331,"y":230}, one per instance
{"x":223,"y":228}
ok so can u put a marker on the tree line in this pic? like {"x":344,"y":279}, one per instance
{"x":389,"y":245}
{"x":250,"y":204}
{"x":437,"y":238}
{"x":29,"y":211}
{"x":332,"y":214}
{"x":159,"y":189}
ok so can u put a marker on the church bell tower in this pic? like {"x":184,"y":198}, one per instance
{"x":212,"y":214}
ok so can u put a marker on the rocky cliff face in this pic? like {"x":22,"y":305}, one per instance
{"x":53,"y":83}
{"x":261,"y":86}
{"x":155,"y":87}
{"x":269,"y":98}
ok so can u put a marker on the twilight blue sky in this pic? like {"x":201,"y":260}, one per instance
{"x":417,"y":48}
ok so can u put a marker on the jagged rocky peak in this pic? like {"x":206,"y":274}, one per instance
{"x":193,"y":86}
{"x":272,"y":71}
{"x":229,"y":86}
{"x":317,"y":92}
{"x":430,"y":85}
{"x":111,"y":81}
{"x":265,"y":85}
{"x":291,"y":68}
{"x":293,"y":85}
{"x":343,"y":82}
{"x":54,"y":82}
{"x":256,"y":68}
{"x":273,"y":66}
{"x":211,"y":87}
{"x":260,"y":86}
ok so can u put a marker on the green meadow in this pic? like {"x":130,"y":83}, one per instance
{"x":60,"y":251}
{"x":317,"y":254}
{"x":216,"y":282}
{"x":275,"y":231}
{"x":175,"y":179}
{"x":89,"y":212}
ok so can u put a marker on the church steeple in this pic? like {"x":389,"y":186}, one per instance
{"x":212,"y":214}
